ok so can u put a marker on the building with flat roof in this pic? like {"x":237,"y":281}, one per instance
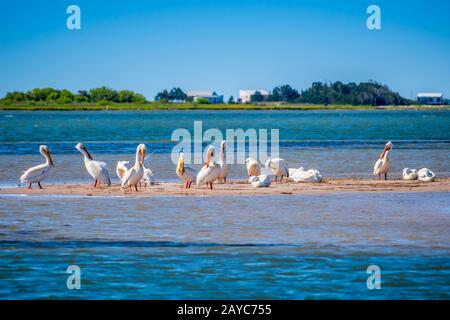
{"x":430,"y":98}
{"x":211,"y":96}
{"x":245,"y":96}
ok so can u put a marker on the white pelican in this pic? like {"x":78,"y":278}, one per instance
{"x":301,"y":175}
{"x":38,"y":173}
{"x":383,"y":164}
{"x":426,"y":174}
{"x":260,"y":181}
{"x":122,"y":167}
{"x":147,"y":177}
{"x":409,"y":174}
{"x":253,"y":168}
{"x":279,"y":167}
{"x":97,"y":169}
{"x":134,"y":175}
{"x":210,"y":171}
{"x":186,"y":174}
{"x":224,"y":167}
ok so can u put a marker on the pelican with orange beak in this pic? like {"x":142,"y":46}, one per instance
{"x":38,"y":173}
{"x":210,"y":171}
{"x":97,"y":169}
{"x":383,"y":165}
{"x":133,"y":176}
{"x":187,"y":174}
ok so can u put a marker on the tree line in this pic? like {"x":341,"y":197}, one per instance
{"x":95,"y":95}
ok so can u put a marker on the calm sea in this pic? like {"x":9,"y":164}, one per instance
{"x":294,"y":247}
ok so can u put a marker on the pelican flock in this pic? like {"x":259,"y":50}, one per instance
{"x":97,"y":169}
{"x":383,"y":164}
{"x":38,"y":173}
{"x":132,"y":175}
{"x":210,"y":171}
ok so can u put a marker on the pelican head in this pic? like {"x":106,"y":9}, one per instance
{"x":388,"y":147}
{"x":141,"y":150}
{"x":223,"y":145}
{"x":211,"y":151}
{"x":80,"y":147}
{"x":180,"y":166}
{"x":43,"y":149}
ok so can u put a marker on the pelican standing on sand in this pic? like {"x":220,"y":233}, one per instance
{"x":186,"y":174}
{"x":97,"y":169}
{"x":210,"y":171}
{"x":224,"y":167}
{"x":383,"y":165}
{"x":253,"y":168}
{"x":134,"y":175}
{"x":38,"y":173}
{"x":279,"y":167}
{"x":122,"y":167}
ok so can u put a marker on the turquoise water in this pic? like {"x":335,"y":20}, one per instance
{"x":287,"y":246}
{"x":337,"y":143}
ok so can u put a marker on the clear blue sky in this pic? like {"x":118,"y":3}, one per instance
{"x":223,"y":45}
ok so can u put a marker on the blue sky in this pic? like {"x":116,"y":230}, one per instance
{"x":223,"y":45}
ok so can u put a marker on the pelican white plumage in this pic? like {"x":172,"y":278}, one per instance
{"x":224,"y":167}
{"x":186,"y":174}
{"x":302,"y":175}
{"x":426,"y":174}
{"x":38,"y":173}
{"x":253,"y":168}
{"x":409,"y":174}
{"x":148,"y":177}
{"x":260,"y":181}
{"x":97,"y":169}
{"x":122,"y":167}
{"x":279,"y":167}
{"x":210,"y":171}
{"x":133,"y":176}
{"x":383,"y":164}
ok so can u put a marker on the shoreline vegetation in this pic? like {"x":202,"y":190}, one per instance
{"x":155,"y":106}
{"x":333,"y":95}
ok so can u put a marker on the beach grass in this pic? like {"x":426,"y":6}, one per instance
{"x":189,"y":106}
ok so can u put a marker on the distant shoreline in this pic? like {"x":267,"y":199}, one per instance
{"x":190,"y":106}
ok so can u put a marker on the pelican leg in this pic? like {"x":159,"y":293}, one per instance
{"x":95,"y":183}
{"x":281,"y":179}
{"x":276,"y":178}
{"x":29,"y":186}
{"x":135,"y":187}
{"x":225,"y":180}
{"x":39,"y":184}
{"x":210,"y":185}
{"x":189,"y":184}
{"x":385,"y":176}
{"x":145,"y":185}
{"x":131,"y":189}
{"x":140,"y":184}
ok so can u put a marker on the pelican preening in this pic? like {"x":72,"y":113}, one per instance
{"x":210,"y":171}
{"x":383,"y":165}
{"x":38,"y":173}
{"x":133,"y":176}
{"x":224,"y":167}
{"x":97,"y":169}
{"x":279,"y":167}
{"x":186,"y":174}
{"x":253,"y":168}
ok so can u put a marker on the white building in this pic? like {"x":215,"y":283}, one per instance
{"x":246,"y":95}
{"x":430,"y":98}
{"x":211,"y":96}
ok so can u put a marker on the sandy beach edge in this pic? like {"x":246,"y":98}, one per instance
{"x":241,"y":188}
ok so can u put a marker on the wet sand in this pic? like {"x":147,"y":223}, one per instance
{"x":237,"y":188}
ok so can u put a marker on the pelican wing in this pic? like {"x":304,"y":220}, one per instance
{"x":377,"y":166}
{"x":36,"y":173}
{"x":99,"y":170}
{"x":208,"y":174}
{"x":122,"y":167}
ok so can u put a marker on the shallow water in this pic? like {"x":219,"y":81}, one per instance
{"x":226,"y":247}
{"x":285,"y":246}
{"x":337,"y":143}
